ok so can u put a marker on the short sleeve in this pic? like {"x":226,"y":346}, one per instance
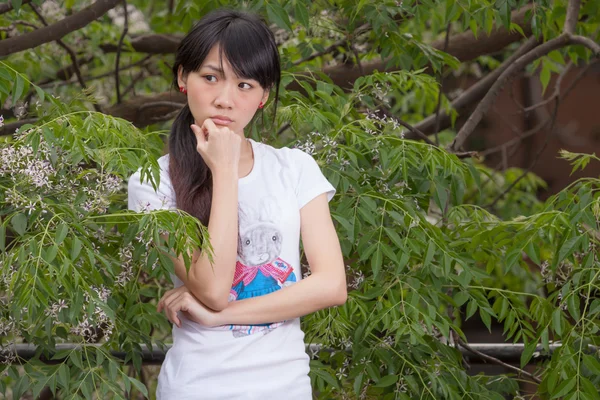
{"x":141,"y":196}
{"x":310,"y":180}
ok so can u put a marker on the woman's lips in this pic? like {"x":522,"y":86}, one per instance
{"x":220,"y":120}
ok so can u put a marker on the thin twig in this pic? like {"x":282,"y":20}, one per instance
{"x":441,"y":91}
{"x":104,"y":75}
{"x":283,"y":128}
{"x":478,"y":90}
{"x":125,"y":28}
{"x":518,"y":139}
{"x":329,"y":49}
{"x":357,"y":57}
{"x":18,"y":22}
{"x":496,"y":361}
{"x":405,"y":124}
{"x":557,"y":94}
{"x":71,"y":53}
{"x":135,"y":80}
{"x":534,"y":161}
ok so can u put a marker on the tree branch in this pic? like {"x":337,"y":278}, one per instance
{"x":540,"y":51}
{"x":441,"y":91}
{"x":475,"y":92}
{"x":71,"y":53}
{"x":10,"y":128}
{"x":464,"y":46}
{"x":572,"y":16}
{"x":496,"y":361}
{"x":125,"y":28}
{"x":62,"y":44}
{"x":56,"y":30}
{"x":149,"y":43}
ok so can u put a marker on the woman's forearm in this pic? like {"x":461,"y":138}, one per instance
{"x":311,"y":294}
{"x":208,"y":281}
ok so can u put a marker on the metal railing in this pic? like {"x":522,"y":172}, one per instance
{"x":506,"y":352}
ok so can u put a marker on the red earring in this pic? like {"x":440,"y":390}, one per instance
{"x":261,"y":105}
{"x":182,"y":89}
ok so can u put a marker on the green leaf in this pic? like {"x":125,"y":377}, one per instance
{"x":556,"y":321}
{"x":565,"y":387}
{"x":75,"y":248}
{"x":19,"y":223}
{"x":573,"y":306}
{"x":567,"y":248}
{"x":16,"y":4}
{"x":528,"y":352}
{"x":592,"y":363}
{"x":61,"y":233}
{"x":486,"y":319}
{"x":461,"y":298}
{"x":387,"y":380}
{"x":376,"y":261}
{"x":139,"y":386}
{"x":545,"y":77}
{"x":430,"y":252}
{"x":40,"y":92}
{"x":2,"y":238}
{"x":505,"y":10}
{"x":533,"y":252}
{"x":87,"y":388}
{"x":301,"y":13}
{"x":18,"y":91}
{"x":277,"y":14}
{"x":64,"y":376}
{"x":50,"y":254}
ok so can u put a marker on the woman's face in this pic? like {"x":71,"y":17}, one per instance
{"x":220,"y":95}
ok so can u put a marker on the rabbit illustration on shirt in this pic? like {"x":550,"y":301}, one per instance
{"x":259,"y":269}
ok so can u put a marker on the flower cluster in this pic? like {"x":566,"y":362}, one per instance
{"x":55,"y":309}
{"x":52,"y":11}
{"x":357,"y":280}
{"x":135,"y":19}
{"x":126,"y":257}
{"x":383,"y":121}
{"x":8,"y":354}
{"x":21,"y":162}
{"x":98,"y":325}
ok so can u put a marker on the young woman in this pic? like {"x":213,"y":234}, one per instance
{"x":236,"y":332}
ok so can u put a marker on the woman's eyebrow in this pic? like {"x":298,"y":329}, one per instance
{"x":214,"y":68}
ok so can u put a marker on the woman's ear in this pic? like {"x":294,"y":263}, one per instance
{"x":265,"y":97}
{"x":181,"y":77}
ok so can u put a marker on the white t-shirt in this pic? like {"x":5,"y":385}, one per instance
{"x":247,"y":362}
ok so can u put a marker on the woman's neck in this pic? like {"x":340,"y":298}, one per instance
{"x":246,"y":159}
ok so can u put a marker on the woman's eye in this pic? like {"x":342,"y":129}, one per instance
{"x":210,"y":78}
{"x":245,"y":85}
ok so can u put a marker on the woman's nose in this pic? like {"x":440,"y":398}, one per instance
{"x":224,"y":97}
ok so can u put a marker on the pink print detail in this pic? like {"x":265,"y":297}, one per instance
{"x":246,"y":274}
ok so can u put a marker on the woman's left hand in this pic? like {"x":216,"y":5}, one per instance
{"x":180,"y":299}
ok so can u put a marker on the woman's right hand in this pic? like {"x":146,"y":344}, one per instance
{"x":219,"y":147}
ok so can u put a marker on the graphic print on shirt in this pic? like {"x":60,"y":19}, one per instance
{"x":259,"y":269}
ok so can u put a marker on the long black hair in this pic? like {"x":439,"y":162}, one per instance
{"x":249,"y":46}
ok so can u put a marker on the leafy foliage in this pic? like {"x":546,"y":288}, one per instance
{"x":424,"y":251}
